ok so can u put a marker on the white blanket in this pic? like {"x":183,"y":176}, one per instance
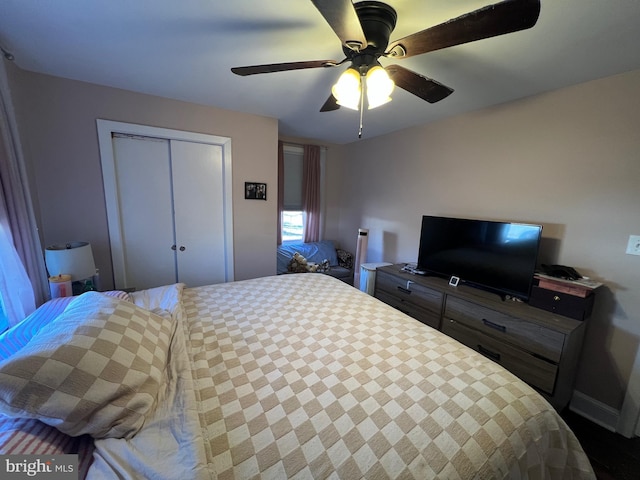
{"x":171,"y":436}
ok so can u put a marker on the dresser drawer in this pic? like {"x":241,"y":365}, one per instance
{"x":407,"y":306}
{"x":561,"y":303}
{"x":530,"y":336}
{"x":406,"y":291}
{"x":533,"y":370}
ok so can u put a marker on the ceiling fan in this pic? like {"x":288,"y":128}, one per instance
{"x":364,"y":29}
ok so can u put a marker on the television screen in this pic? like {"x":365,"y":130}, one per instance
{"x":497,"y":256}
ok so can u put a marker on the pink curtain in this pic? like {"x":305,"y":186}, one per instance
{"x":280,"y":188}
{"x":311,"y":192}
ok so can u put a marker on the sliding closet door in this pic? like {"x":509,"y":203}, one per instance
{"x":169,"y":204}
{"x":143,"y":178}
{"x":198,"y":212}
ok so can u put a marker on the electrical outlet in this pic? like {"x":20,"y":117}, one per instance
{"x":633,"y":247}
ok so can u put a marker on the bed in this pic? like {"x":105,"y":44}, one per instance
{"x":291,"y":376}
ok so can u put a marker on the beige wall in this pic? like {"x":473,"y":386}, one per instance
{"x":57,"y":122}
{"x":568,"y":159}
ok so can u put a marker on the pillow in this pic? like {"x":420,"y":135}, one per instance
{"x":17,"y":337}
{"x":345,"y":259}
{"x":118,"y":294}
{"x":95,"y":369}
{"x":25,"y":436}
{"x":326,"y":251}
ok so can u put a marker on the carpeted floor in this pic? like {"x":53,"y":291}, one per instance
{"x":612,"y":456}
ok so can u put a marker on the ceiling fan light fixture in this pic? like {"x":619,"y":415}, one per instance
{"x":347,"y":89}
{"x":379,"y":87}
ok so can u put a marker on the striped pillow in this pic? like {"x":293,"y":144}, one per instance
{"x":17,"y":337}
{"x":31,"y":437}
{"x":24,"y":436}
{"x":96,"y":368}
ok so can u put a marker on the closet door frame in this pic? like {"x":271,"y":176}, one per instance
{"x":105,"y":129}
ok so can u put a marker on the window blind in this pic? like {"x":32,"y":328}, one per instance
{"x":293,"y":178}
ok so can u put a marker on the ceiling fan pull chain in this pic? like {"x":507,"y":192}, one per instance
{"x":363,"y":86}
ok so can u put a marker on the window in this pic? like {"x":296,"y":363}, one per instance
{"x":16,"y":292}
{"x":4,"y":321}
{"x":292,"y":225}
{"x":293,"y":216}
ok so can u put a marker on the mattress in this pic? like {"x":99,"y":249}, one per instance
{"x":301,"y":376}
{"x":291,"y":376}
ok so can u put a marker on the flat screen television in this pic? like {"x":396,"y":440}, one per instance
{"x":499,"y":257}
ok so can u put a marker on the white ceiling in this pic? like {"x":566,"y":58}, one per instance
{"x":185,"y":49}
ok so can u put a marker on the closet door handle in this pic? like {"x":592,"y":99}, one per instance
{"x":173,"y":247}
{"x":182,"y":248}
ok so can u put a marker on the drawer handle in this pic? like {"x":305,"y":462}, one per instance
{"x":495,"y":326}
{"x":488,"y":353}
{"x":404,"y":290}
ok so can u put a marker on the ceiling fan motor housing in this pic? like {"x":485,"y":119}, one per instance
{"x":378,"y":21}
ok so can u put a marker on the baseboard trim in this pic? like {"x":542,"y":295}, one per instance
{"x":597,"y":412}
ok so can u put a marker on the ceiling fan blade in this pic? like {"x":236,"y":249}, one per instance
{"x":342,"y":18}
{"x":330,"y":105}
{"x":419,"y":85}
{"x":282,"y":67}
{"x":490,"y":21}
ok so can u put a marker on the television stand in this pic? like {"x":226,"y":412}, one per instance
{"x":538,"y":346}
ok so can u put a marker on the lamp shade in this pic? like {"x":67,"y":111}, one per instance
{"x":347,"y":89}
{"x":73,"y":258}
{"x":379,"y":87}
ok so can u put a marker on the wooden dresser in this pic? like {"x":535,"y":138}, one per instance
{"x":538,"y":346}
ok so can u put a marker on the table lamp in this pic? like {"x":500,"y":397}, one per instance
{"x":72,"y":258}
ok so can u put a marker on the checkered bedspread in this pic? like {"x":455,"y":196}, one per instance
{"x":303,"y":376}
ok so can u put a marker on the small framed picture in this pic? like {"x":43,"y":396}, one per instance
{"x":453,"y":281}
{"x":255,"y":191}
